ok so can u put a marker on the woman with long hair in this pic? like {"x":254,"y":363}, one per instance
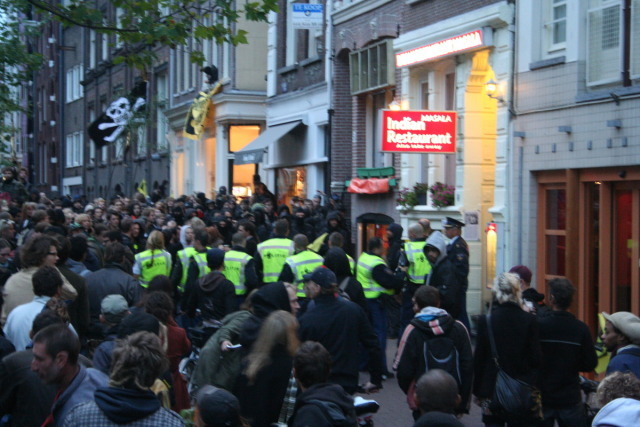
{"x":517,"y":344}
{"x":263,"y":384}
{"x":153,"y":261}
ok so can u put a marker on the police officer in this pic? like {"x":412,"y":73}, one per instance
{"x":272,"y":253}
{"x":153,"y":261}
{"x":198,"y":266}
{"x":303,"y":262}
{"x":417,"y":270}
{"x":377,"y":279}
{"x":458,"y":254}
{"x":240,"y":267}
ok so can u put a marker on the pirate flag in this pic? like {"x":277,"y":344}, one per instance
{"x":200,"y":109}
{"x":112,"y":122}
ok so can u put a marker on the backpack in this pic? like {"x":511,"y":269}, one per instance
{"x":333,"y":414}
{"x":439,"y":352}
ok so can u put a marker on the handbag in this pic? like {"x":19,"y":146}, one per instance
{"x":513,"y":400}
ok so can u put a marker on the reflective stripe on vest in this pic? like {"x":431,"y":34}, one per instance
{"x":234,"y":265}
{"x":153,"y":263}
{"x":419,"y":266}
{"x":352,"y":265}
{"x":303,"y":263}
{"x":201,"y":260}
{"x":184,"y":256}
{"x":274,"y":252}
{"x":364,"y":269}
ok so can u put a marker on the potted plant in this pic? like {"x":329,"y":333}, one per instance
{"x":421,"y":189}
{"x":406,"y":199}
{"x":442,"y":195}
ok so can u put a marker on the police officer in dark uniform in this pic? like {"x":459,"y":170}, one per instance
{"x":458,"y":254}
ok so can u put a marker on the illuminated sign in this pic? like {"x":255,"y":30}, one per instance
{"x":419,"y":131}
{"x":457,"y":44}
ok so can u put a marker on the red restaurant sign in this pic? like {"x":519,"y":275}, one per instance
{"x":419,"y":131}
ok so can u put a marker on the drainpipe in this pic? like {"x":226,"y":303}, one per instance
{"x":328,"y":61}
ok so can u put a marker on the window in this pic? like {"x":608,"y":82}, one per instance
{"x":141,"y":140}
{"x":556,"y":25}
{"x":104,"y":44}
{"x":635,"y":39}
{"x":162,"y":123}
{"x":119,"y":24}
{"x":93,"y":49}
{"x":604,"y":48}
{"x":73,"y":87}
{"x":92,"y":145}
{"x":185,"y":72}
{"x":105,"y":148}
{"x":372,"y":68}
{"x":301,"y":44}
{"x":74,"y":150}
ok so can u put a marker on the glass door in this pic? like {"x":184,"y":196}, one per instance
{"x":625,"y":286}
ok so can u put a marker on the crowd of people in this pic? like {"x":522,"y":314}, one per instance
{"x":103,"y":299}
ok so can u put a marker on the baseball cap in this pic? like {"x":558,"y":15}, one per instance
{"x":627,"y":323}
{"x":218,"y":407}
{"x":215,"y":258}
{"x":114,"y":308}
{"x":322,"y":276}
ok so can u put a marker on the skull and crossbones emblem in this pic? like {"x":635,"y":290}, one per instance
{"x":120,"y":112}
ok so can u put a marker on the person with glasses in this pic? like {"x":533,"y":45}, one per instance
{"x":37,"y":252}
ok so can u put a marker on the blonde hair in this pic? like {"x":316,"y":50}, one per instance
{"x":155,"y":241}
{"x":506,"y":288}
{"x":279,"y":328}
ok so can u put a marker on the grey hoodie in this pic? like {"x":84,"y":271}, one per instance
{"x":436,"y":239}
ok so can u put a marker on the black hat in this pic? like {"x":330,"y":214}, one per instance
{"x":215,"y":258}
{"x":450,"y":223}
{"x":322,"y":276}
{"x":218,"y":407}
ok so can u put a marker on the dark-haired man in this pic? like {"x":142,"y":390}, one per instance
{"x":112,"y":279}
{"x":437,"y":396}
{"x":621,"y":337}
{"x":567,"y":349}
{"x":320,"y":404}
{"x":377,"y":280}
{"x":339,"y":325}
{"x":22,"y":394}
{"x":47,"y":283}
{"x":434,"y":339}
{"x":213,"y":293}
{"x":273,"y":252}
{"x":458,"y":254}
{"x":138,"y":360}
{"x":55,"y":361}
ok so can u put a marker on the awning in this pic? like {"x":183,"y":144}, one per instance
{"x":253,"y":152}
{"x":369,"y":185}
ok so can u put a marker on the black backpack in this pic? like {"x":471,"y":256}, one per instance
{"x":440,"y":352}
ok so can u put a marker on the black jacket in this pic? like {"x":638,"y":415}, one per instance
{"x":336,"y":260}
{"x":567,"y":349}
{"x":427,"y":326}
{"x":323,"y":405}
{"x":214,"y":295}
{"x":518,"y":345}
{"x":458,"y":254}
{"x":340,"y":325}
{"x":440,"y":419}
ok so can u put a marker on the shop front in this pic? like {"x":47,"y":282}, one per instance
{"x":589,"y":232}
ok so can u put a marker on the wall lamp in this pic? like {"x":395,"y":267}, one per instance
{"x":395,"y":105}
{"x":492,"y":89}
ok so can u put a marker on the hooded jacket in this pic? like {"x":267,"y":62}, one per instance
{"x":443,"y":276}
{"x":431,"y":323}
{"x":620,"y":412}
{"x":336,"y":260}
{"x":395,"y":245}
{"x":115,"y":406}
{"x":214,"y":295}
{"x":323,"y":405}
{"x":269,"y":298}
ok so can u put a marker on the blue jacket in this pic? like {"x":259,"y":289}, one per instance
{"x":627,"y":359}
{"x":79,"y":391}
